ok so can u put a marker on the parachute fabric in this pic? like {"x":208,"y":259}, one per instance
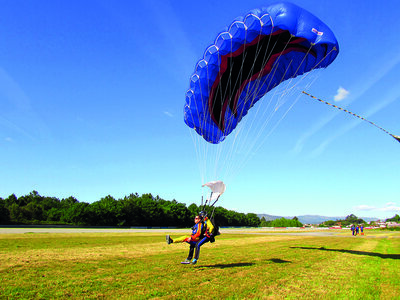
{"x":258,"y":52}
{"x":217,"y":189}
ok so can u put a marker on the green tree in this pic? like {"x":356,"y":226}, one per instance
{"x":176,"y":214}
{"x":283,"y":222}
{"x":10,"y":200}
{"x":330,"y":223}
{"x":77,"y":214}
{"x":130,"y":210}
{"x":151,"y":212}
{"x":106,"y":212}
{"x":67,"y":202}
{"x":253,"y":220}
{"x":4,"y":212}
{"x":16,"y":214}
{"x":33,"y":211}
{"x":54,"y":215}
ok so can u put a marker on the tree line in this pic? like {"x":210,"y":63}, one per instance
{"x":281,"y":222}
{"x":131,"y":211}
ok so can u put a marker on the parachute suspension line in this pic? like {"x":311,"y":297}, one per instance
{"x":289,"y":89}
{"x":246,"y":143}
{"x":201,"y":154}
{"x":266,"y":57}
{"x":267,"y":113}
{"x":396,"y":137}
{"x":238,"y":129}
{"x":212,"y":158}
{"x":238,"y":80}
{"x":203,"y":150}
{"x":220,"y":159}
{"x":199,"y":150}
{"x":196,"y":140}
{"x":237,"y":137}
{"x":262,"y":108}
{"x":196,"y":148}
{"x":207,"y":148}
{"x":306,"y":75}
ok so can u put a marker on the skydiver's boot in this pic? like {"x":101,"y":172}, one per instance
{"x":169,"y":240}
{"x":193,"y":262}
{"x":185,"y":262}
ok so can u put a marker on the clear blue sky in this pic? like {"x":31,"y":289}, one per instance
{"x":92,"y":95}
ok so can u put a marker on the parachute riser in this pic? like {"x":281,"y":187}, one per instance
{"x":212,"y":205}
{"x":204,"y":206}
{"x":212,"y":214}
{"x":215,"y":201}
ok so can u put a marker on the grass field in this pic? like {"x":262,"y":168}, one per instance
{"x":237,"y":266}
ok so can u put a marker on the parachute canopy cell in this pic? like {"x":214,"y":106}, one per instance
{"x":256,"y":53}
{"x":217,"y":188}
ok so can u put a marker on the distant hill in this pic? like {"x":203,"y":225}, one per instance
{"x":268,"y":217}
{"x":311,"y":219}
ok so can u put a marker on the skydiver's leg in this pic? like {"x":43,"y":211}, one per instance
{"x":198,"y":245}
{"x":180,"y":239}
{"x":191,"y":250}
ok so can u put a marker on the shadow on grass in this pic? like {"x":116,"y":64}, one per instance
{"x":393,"y":256}
{"x":233,"y":265}
{"x":279,"y":261}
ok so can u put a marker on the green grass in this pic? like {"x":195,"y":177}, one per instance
{"x":237,"y":266}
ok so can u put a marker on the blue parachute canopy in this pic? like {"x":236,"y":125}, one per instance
{"x":257,"y":53}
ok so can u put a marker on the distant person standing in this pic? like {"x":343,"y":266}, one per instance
{"x":362,"y":229}
{"x":352,"y":229}
{"x":357,"y":229}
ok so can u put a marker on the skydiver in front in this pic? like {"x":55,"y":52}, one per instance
{"x":192,"y":240}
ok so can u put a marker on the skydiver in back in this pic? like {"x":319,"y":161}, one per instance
{"x":192,"y":240}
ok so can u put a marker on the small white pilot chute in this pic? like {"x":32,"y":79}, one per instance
{"x":217,"y":189}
